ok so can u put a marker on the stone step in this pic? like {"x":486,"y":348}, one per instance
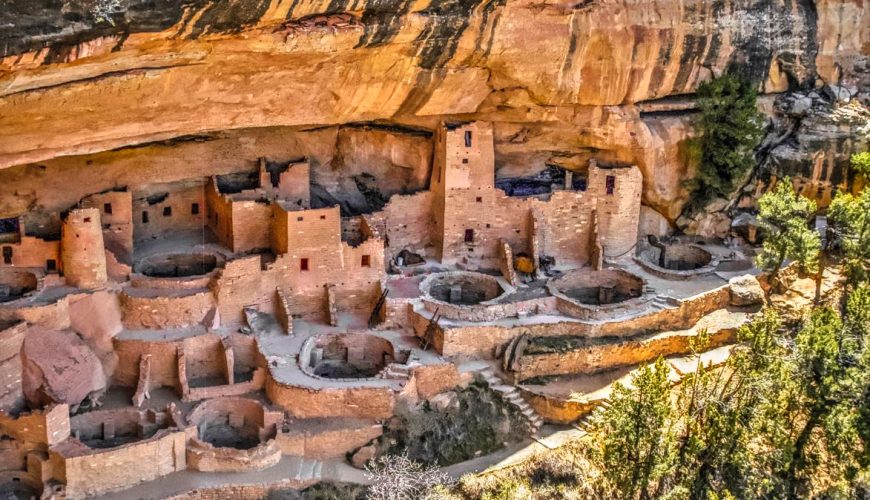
{"x":307,"y":469}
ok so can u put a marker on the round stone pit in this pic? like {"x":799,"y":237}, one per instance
{"x":234,"y":434}
{"x":590,"y":294}
{"x":178,"y":265}
{"x":467,"y":296}
{"x":677,"y":261}
{"x":346,"y":356}
{"x":16,"y":283}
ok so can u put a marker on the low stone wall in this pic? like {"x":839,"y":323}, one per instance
{"x":488,"y":287}
{"x":88,"y":472}
{"x":142,"y":310}
{"x":164,"y":365}
{"x":257,"y":382}
{"x":707,"y":262}
{"x":54,"y":316}
{"x":396,"y":313}
{"x":491,"y":312}
{"x":431,"y":380}
{"x":483,"y":341}
{"x":555,"y":410}
{"x":39,"y":429}
{"x":604,"y":356}
{"x":620,"y":281}
{"x":333,"y":439}
{"x":185,"y":283}
{"x":283,"y":313}
{"x":242,"y":492}
{"x":203,"y":456}
{"x":362,"y":402}
{"x":250,"y":418}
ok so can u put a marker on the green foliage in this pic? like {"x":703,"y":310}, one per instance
{"x":861,"y":163}
{"x":851,"y":217}
{"x":784,"y":220}
{"x":637,"y":448}
{"x":478,"y":421}
{"x":730,"y":128}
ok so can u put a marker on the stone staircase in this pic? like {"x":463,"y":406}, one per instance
{"x":512,"y":396}
{"x":308,"y":470}
{"x":585,"y":423}
{"x":396,"y":371}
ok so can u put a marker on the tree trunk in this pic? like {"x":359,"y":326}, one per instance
{"x":797,"y":456}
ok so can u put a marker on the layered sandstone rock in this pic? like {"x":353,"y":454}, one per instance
{"x":59,"y":368}
{"x":561,"y":81}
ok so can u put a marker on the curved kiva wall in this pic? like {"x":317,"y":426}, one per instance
{"x":234,"y":434}
{"x":178,"y":265}
{"x":120,"y":449}
{"x":588,"y":294}
{"x":469,"y":296}
{"x":679,"y":262}
{"x":17,"y":283}
{"x":352,"y":356}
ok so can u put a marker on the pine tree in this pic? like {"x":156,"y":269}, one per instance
{"x":637,"y":446}
{"x":784,"y":220}
{"x":850,"y":215}
{"x":730,"y":128}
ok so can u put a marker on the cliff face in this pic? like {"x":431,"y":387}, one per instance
{"x":562,"y":81}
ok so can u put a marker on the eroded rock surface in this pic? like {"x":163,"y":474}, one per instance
{"x":562,"y":82}
{"x":58,"y":367}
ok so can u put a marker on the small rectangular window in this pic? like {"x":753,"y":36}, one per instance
{"x":469,"y":235}
{"x":465,"y":161}
{"x":303,"y":265}
{"x":194,"y":208}
{"x":610,"y":184}
{"x":299,"y":219}
{"x":167,"y":211}
{"x":87,"y":219}
{"x":7,"y":255}
{"x":479,"y":199}
{"x":144,"y":217}
{"x":107,"y":208}
{"x":51,"y":265}
{"x":467,"y":138}
{"x":366,"y":261}
{"x":322,"y":217}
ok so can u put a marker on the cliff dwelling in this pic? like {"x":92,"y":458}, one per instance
{"x":231,"y":305}
{"x":251,"y":246}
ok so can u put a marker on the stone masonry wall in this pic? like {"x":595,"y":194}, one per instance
{"x":172,"y":214}
{"x":142,"y":310}
{"x":355,"y":402}
{"x":83,"y":250}
{"x":99,"y":472}
{"x":33,"y":252}
{"x":406,"y":222}
{"x":116,"y":215}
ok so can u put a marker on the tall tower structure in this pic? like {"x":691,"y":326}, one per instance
{"x":83,"y":250}
{"x":464,"y":164}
